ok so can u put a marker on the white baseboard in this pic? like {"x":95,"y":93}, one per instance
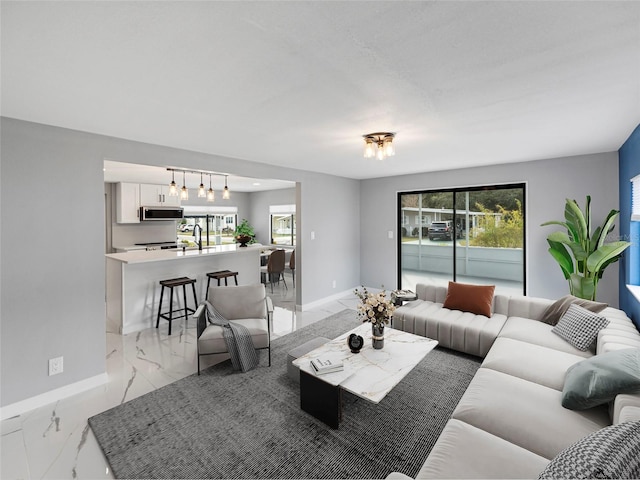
{"x":322,"y":301}
{"x":52,"y":396}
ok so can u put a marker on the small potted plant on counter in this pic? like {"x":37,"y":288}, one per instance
{"x":244,"y":233}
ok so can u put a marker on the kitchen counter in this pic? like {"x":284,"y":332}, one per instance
{"x":133,"y":289}
{"x":143,"y":256}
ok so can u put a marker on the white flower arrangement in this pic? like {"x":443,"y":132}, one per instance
{"x":374,"y":307}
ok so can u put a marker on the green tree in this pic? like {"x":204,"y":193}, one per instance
{"x":503,"y":231}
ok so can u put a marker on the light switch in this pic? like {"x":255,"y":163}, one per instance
{"x":390,"y":233}
{"x":313,"y":235}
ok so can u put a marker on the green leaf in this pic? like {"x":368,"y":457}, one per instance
{"x":582,"y":287}
{"x":607,"y":227}
{"x":560,"y":253}
{"x":560,"y":237}
{"x":605,"y":253}
{"x":575,"y":220}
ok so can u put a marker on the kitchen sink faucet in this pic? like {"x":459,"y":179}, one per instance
{"x":199,"y":242}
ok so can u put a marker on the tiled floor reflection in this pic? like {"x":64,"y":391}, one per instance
{"x":55,"y":442}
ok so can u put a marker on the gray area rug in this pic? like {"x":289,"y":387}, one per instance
{"x":223,"y":424}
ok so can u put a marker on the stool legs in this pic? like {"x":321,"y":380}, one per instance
{"x":170,"y":308}
{"x":160,"y":306}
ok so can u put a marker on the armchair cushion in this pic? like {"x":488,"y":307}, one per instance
{"x":212,"y":339}
{"x":235,"y":302}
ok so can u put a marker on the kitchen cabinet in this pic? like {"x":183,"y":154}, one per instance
{"x":157,"y":196}
{"x":127,"y":202}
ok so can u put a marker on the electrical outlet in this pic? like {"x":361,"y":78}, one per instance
{"x":334,"y":284}
{"x":56,"y":365}
{"x":313,"y":235}
{"x":390,"y":233}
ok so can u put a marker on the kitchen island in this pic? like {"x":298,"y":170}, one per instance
{"x":133,"y":291}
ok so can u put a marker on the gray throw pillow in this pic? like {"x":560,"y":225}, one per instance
{"x":612,"y":452}
{"x":557,"y":309}
{"x":600,"y":378}
{"x":579,"y":327}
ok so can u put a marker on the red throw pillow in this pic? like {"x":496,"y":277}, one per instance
{"x":470,"y":298}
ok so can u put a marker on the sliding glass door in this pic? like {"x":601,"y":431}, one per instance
{"x":473,"y":235}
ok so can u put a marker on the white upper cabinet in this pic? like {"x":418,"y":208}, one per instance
{"x":127,"y":203}
{"x":157,"y":196}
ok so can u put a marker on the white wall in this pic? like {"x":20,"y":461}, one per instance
{"x":52,"y":297}
{"x":549,"y":183}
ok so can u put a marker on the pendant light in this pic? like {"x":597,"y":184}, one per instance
{"x":184,"y":192}
{"x":210,"y":194}
{"x":173,"y":189}
{"x":201,"y":191}
{"x":225,"y":193}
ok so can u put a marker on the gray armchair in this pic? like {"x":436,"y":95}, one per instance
{"x":245,"y":304}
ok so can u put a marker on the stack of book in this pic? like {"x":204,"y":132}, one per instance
{"x":326,"y":365}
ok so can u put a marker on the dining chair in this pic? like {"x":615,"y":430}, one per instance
{"x":274,"y":269}
{"x":292,"y":265}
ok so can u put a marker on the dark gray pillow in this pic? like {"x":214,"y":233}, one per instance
{"x":612,"y":452}
{"x":599,"y":379}
{"x":579,"y":327}
{"x":557,"y":309}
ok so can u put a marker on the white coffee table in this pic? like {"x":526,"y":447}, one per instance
{"x":370,"y":374}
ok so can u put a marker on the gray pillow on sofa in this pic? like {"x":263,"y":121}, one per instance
{"x":599,"y":379}
{"x":557,"y":309}
{"x":611,"y":452}
{"x":579,"y":327}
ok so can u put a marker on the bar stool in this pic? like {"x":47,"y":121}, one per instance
{"x":171,"y":283}
{"x":220,"y":275}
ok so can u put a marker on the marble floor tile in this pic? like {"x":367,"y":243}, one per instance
{"x":56,"y":442}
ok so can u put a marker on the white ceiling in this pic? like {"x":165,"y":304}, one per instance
{"x":297,"y":84}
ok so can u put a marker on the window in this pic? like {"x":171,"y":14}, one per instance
{"x":218,"y":225}
{"x":283,"y":224}
{"x":471,"y":235}
{"x":634,"y":234}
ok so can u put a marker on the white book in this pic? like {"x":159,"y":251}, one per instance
{"x":326,"y":365}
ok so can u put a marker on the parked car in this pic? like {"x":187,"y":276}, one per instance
{"x":444,"y":230}
{"x":186,"y":227}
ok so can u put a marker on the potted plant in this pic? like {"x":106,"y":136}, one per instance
{"x":582,"y":255}
{"x":244,"y":233}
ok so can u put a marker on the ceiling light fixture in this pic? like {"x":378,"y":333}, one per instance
{"x":173,"y":189}
{"x":211,"y":196}
{"x":379,"y":144}
{"x":201,"y":191}
{"x":184,"y":192}
{"x":225,"y":193}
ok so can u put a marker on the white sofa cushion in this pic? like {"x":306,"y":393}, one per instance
{"x":525,"y":413}
{"x":538,"y":333}
{"x":464,"y":451}
{"x":531,"y":362}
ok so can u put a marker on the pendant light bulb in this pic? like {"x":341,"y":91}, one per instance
{"x":380,"y":154}
{"x":184,"y":192}
{"x":225,"y":193}
{"x":210,"y":193}
{"x":201,"y":191}
{"x":173,"y":189}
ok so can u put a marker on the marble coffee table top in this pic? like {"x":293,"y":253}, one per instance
{"x":370,"y":374}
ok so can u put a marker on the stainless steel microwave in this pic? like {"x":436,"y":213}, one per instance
{"x":161,"y":213}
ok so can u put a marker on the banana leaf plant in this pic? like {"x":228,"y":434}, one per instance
{"x":583,"y":256}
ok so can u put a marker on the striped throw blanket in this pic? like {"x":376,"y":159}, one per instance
{"x":237,"y":338}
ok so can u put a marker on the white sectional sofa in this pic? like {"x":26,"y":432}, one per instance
{"x":510,"y":422}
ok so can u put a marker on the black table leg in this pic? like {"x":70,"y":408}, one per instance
{"x":320,"y":399}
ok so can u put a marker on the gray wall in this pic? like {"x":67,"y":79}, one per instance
{"x":52,"y":298}
{"x":549,"y":182}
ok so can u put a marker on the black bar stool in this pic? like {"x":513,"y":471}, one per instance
{"x":171,"y":283}
{"x":220,"y":275}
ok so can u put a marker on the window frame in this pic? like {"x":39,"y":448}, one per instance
{"x":454,"y":191}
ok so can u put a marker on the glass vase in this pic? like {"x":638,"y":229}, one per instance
{"x":377,"y":335}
